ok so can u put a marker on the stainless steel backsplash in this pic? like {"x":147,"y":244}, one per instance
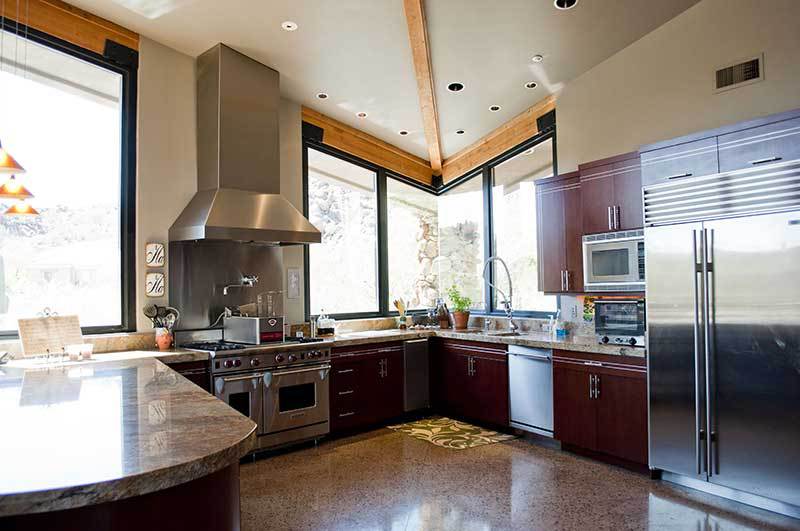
{"x":199,"y":270}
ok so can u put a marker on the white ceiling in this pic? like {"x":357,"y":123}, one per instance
{"x":358,"y":52}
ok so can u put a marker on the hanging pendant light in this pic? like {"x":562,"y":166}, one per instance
{"x":21,"y":208}
{"x":13,"y":189}
{"x":7,"y":163}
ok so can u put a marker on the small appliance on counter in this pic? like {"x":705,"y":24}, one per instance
{"x":620,"y":321}
{"x":326,"y":326}
{"x":253,"y":330}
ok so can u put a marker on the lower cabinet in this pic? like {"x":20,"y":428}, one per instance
{"x":470,"y":380}
{"x":600,"y":404}
{"x":197,"y":372}
{"x":366,"y":385}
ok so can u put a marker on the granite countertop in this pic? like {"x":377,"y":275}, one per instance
{"x":528,"y":339}
{"x":88,"y":433}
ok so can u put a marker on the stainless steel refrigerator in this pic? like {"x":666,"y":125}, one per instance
{"x":722,"y":255}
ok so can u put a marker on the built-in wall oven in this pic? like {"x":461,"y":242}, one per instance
{"x":614,"y":262}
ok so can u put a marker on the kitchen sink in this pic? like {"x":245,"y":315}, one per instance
{"x":503,"y":334}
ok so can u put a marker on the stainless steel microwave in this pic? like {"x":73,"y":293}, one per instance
{"x":614,"y":261}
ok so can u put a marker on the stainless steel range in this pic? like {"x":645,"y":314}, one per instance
{"x":283,"y":388}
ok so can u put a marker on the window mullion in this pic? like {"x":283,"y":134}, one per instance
{"x":487,"y":237}
{"x":383,"y":245}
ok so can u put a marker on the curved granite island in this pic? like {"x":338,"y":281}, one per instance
{"x":117,"y":445}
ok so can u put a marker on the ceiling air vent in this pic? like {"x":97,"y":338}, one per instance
{"x":739,"y":74}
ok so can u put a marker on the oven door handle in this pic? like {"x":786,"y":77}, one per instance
{"x":322,"y":368}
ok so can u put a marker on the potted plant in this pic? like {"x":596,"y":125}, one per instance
{"x":460,"y":308}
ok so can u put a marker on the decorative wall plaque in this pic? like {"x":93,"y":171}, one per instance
{"x":155,"y":284}
{"x":155,"y":254}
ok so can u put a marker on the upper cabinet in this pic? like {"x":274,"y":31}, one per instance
{"x":689,"y":159}
{"x":760,"y":145}
{"x":559,"y":224}
{"x":611,"y":194}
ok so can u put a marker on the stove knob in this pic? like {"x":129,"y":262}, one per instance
{"x":632,"y":341}
{"x":227,"y":364}
{"x":292,"y":358}
{"x":255,"y":362}
{"x":604,"y":339}
{"x":237,"y":363}
{"x":316,"y":354}
{"x":279,"y":358}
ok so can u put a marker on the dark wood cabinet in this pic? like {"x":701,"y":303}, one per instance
{"x":197,"y":372}
{"x":470,"y":380}
{"x":366,"y":385}
{"x":757,"y":146}
{"x":600,"y":404}
{"x":611,"y":194}
{"x":559,"y":226}
{"x":673,"y":162}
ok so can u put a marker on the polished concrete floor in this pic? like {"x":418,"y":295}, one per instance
{"x":386,"y":480}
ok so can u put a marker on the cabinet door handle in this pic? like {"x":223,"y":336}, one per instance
{"x":566,"y":280}
{"x":350,"y":392}
{"x":616,"y":217}
{"x":344,"y":371}
{"x":680,"y":175}
{"x":591,"y":386}
{"x":562,"y":280}
{"x":764,"y":161}
{"x":348,"y":414}
{"x":596,"y":386}
{"x":610,"y":219}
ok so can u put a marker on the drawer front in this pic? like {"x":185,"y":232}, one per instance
{"x":345,"y":376}
{"x":760,"y":145}
{"x":676,"y":162}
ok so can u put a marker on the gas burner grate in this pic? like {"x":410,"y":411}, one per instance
{"x":213,"y":346}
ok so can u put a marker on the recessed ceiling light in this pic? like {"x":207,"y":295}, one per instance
{"x":322,"y":95}
{"x":537,"y":58}
{"x":288,"y":25}
{"x":460,"y":132}
{"x":402,"y":132}
{"x":361,"y":114}
{"x":455,"y":87}
{"x":565,"y":4}
{"x":531,"y":85}
{"x":495,"y":108}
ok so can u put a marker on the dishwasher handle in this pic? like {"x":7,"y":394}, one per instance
{"x":540,"y":357}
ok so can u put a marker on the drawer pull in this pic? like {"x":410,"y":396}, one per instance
{"x":343,"y":371}
{"x":348,"y":414}
{"x":593,"y":363}
{"x":350,"y":392}
{"x":764,"y":161}
{"x":680,"y":175}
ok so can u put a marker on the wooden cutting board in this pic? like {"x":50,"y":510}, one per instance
{"x":49,"y":334}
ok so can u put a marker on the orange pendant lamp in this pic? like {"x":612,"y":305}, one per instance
{"x":7,"y":163}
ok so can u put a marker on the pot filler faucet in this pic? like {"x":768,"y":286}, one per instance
{"x":506,"y":302}
{"x":247,"y":281}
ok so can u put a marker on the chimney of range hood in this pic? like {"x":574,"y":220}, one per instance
{"x":238,"y":157}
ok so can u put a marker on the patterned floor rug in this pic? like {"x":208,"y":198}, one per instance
{"x":449,"y":433}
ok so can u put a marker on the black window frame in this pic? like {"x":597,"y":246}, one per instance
{"x":125,"y":62}
{"x":483,"y":171}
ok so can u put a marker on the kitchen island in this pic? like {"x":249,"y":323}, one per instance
{"x":124,"y":444}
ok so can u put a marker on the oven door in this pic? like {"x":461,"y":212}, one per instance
{"x":619,"y":318}
{"x":243,"y":392}
{"x":296,"y":397}
{"x":612,"y":262}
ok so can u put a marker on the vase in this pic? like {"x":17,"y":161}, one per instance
{"x":163,"y":338}
{"x":460,"y":320}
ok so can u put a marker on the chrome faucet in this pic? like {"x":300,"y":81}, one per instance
{"x":506,"y":302}
{"x":247,"y":281}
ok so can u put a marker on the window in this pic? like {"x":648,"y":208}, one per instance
{"x":413,"y":244}
{"x":68,"y":118}
{"x":343,"y":205}
{"x":461,"y":240}
{"x":514,"y":228}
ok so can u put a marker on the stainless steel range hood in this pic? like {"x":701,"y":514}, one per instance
{"x":238,"y":164}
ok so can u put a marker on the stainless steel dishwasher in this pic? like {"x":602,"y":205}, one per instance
{"x":530,"y":384}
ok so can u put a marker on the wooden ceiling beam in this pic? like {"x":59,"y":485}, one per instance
{"x":365,"y":146}
{"x":510,"y":134}
{"x":420,"y":51}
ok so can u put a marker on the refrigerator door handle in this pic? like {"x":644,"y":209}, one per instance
{"x":698,"y":421}
{"x":707,"y":245}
